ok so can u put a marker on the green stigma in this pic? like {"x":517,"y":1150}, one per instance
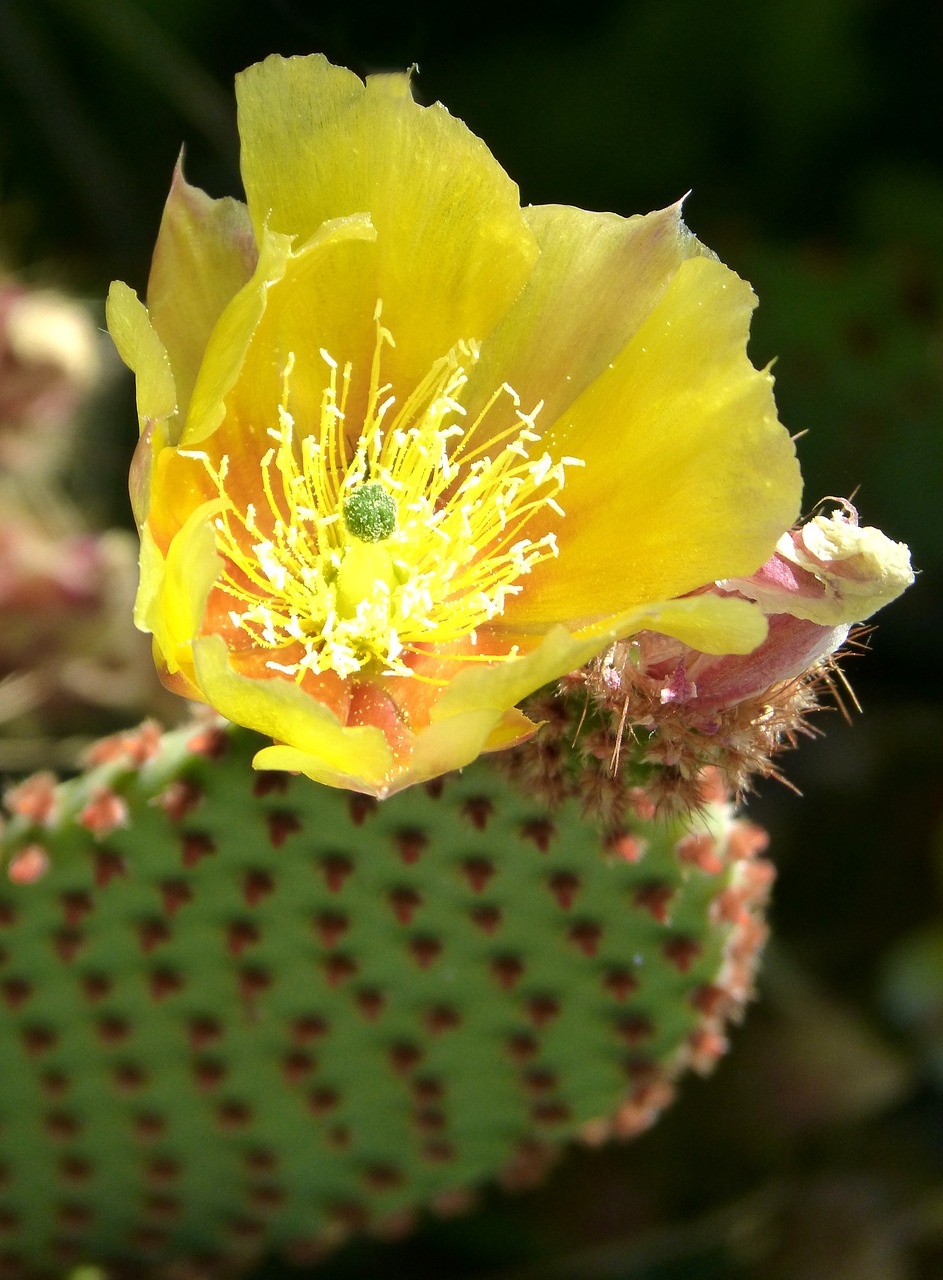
{"x":370,"y":512}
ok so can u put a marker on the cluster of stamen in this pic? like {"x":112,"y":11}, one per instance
{"x":360,"y":556}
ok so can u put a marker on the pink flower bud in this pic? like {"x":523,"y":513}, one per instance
{"x":823,"y":577}
{"x":831,"y":571}
{"x":708,"y":682}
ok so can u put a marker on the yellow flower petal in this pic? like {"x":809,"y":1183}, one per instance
{"x":205,"y":253}
{"x":436,"y":751}
{"x":687,"y":466}
{"x":445,"y":746}
{"x":511,"y":730}
{"x":320,"y":746}
{"x":596,"y":281}
{"x":172,"y":591}
{"x":453,"y":247}
{"x":710,"y":623}
{"x":143,"y":352}
{"x":240,"y":326}
{"x":300,"y":315}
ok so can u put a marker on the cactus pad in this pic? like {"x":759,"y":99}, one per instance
{"x":245,"y":1014}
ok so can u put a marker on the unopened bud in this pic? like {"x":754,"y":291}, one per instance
{"x":830,"y":571}
{"x":737,"y":711}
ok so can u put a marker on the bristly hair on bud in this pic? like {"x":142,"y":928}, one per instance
{"x":613,"y":737}
{"x":741,"y":741}
{"x":687,"y":711}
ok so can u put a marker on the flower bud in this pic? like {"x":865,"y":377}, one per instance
{"x":737,"y":710}
{"x":831,"y":571}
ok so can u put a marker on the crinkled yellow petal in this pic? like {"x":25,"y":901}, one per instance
{"x":143,"y":352}
{"x":708,"y":623}
{"x":178,"y":486}
{"x":172,"y":590}
{"x":239,"y":325}
{"x":447,"y":745}
{"x":150,"y":577}
{"x":204,"y":255}
{"x":151,"y":445}
{"x":475,"y":714}
{"x":713,"y":624}
{"x":226,"y":348}
{"x":688,"y":469}
{"x":316,"y":742}
{"x":286,"y":109}
{"x":302,"y":316}
{"x":512,"y":729}
{"x":437,"y":750}
{"x":453,"y":247}
{"x":597,"y":279}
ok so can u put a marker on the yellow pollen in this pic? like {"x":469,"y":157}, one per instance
{"x":300,"y":579}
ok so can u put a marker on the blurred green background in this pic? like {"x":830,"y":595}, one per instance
{"x":810,"y":133}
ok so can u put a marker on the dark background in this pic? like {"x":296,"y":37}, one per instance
{"x":810,"y":132}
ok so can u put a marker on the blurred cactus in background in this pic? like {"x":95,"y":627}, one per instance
{"x":49,"y":362}
{"x":69,"y":659}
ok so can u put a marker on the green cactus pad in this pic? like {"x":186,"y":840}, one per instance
{"x":243,"y":1013}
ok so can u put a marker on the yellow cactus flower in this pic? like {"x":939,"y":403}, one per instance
{"x":410,"y":451}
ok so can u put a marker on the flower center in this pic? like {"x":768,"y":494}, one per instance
{"x":370,"y":513}
{"x":418,"y":538}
